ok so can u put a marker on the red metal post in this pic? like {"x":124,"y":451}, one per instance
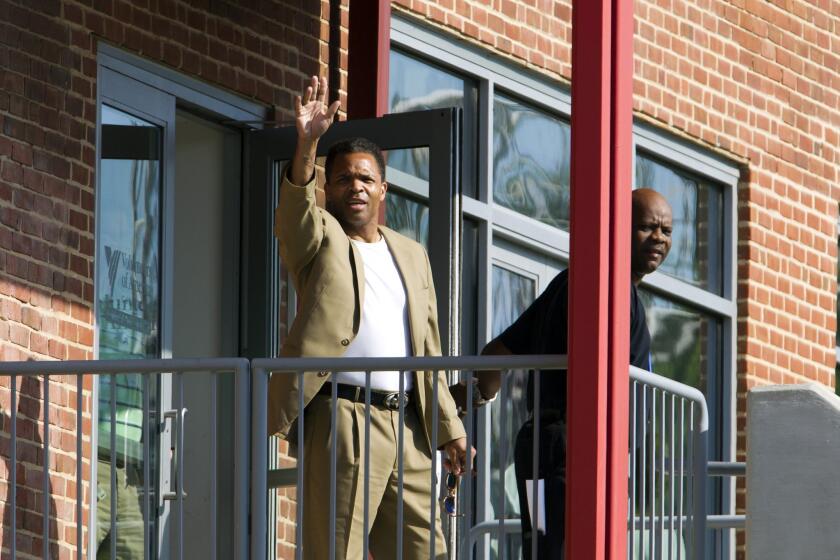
{"x":369,"y":44}
{"x":619,"y":324}
{"x":586,"y":464}
{"x":599,"y":279}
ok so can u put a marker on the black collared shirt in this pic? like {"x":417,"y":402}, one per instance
{"x":543,"y":329}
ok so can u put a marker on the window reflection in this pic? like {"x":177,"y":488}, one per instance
{"x":512,"y":294}
{"x":531,"y":161}
{"x":408,"y":217}
{"x":697,"y":242}
{"x":685,"y":346}
{"x":128,"y":320}
{"x":416,"y":85}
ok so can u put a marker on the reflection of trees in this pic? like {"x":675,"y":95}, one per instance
{"x":683,"y":193}
{"x":676,"y":343}
{"x":512,"y":294}
{"x":535,"y":188}
{"x":408,"y":217}
{"x":415,"y":161}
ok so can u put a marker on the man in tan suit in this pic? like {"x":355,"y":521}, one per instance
{"x":364,"y":291}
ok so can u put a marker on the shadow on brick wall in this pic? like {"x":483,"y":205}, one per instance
{"x":29,"y":476}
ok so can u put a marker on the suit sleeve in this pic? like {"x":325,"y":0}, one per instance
{"x":449,"y":425}
{"x":298,"y":224}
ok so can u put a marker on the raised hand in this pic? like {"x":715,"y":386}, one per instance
{"x":312,"y":115}
{"x":312,"y":119}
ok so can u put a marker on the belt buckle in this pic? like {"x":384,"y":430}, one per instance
{"x":392,"y":400}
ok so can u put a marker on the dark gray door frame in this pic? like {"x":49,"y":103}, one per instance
{"x":436,"y":129}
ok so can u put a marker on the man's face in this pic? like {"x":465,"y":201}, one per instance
{"x":652,"y":229}
{"x":355,"y":191}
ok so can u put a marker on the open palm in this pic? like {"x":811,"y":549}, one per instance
{"x":313,"y":116}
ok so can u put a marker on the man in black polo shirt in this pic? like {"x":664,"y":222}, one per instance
{"x":543,"y":329}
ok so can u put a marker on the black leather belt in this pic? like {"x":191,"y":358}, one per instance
{"x":354,"y":393}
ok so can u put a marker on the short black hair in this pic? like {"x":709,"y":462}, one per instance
{"x":355,"y":146}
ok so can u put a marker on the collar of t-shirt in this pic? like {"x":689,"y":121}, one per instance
{"x":383,"y":330}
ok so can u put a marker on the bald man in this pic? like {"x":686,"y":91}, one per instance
{"x":543,"y":329}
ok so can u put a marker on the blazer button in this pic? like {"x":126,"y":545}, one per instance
{"x":345,"y":341}
{"x":323,"y":373}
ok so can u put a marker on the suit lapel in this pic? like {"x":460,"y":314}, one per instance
{"x":359,"y":279}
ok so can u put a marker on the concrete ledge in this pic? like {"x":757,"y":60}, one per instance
{"x":793,"y":473}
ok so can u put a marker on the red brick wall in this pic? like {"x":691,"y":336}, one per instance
{"x":260,"y":50}
{"x":759,"y":82}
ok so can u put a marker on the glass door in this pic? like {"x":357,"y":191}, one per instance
{"x":424,"y":206}
{"x":167,"y":286}
{"x":130,"y":320}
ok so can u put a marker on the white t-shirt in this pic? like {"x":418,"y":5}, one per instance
{"x":384,"y":330}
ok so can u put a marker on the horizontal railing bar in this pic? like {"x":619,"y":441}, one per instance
{"x":480,"y":363}
{"x":724,"y":468}
{"x":129,"y":366}
{"x":726,"y":521}
{"x":509,"y":526}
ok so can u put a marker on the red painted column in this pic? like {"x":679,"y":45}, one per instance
{"x":369,"y":43}
{"x":599,"y":279}
{"x":619,"y":325}
{"x":586,"y":464}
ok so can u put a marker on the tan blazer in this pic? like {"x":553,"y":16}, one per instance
{"x":328,"y":275}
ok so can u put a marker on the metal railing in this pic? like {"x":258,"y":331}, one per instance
{"x":174,"y":492}
{"x":261,"y":369}
{"x":668,"y":469}
{"x":668,"y":439}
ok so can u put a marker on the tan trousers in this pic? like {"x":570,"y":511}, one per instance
{"x":417,"y":487}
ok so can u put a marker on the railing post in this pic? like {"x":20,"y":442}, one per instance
{"x":701,"y":438}
{"x":241,"y":467}
{"x":259,"y":462}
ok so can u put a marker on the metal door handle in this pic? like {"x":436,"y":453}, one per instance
{"x":176,"y":487}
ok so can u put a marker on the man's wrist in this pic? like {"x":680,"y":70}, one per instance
{"x":478,"y":400}
{"x":303,"y":166}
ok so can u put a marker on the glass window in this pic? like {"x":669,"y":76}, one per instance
{"x":531,"y":161}
{"x":697,"y":249}
{"x":529,"y":174}
{"x":407,"y":216}
{"x":416,"y":85}
{"x":686,"y":347}
{"x":127,"y":308}
{"x":512,"y":294}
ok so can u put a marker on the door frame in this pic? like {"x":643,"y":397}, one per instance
{"x":437,"y":129}
{"x":154,"y":92}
